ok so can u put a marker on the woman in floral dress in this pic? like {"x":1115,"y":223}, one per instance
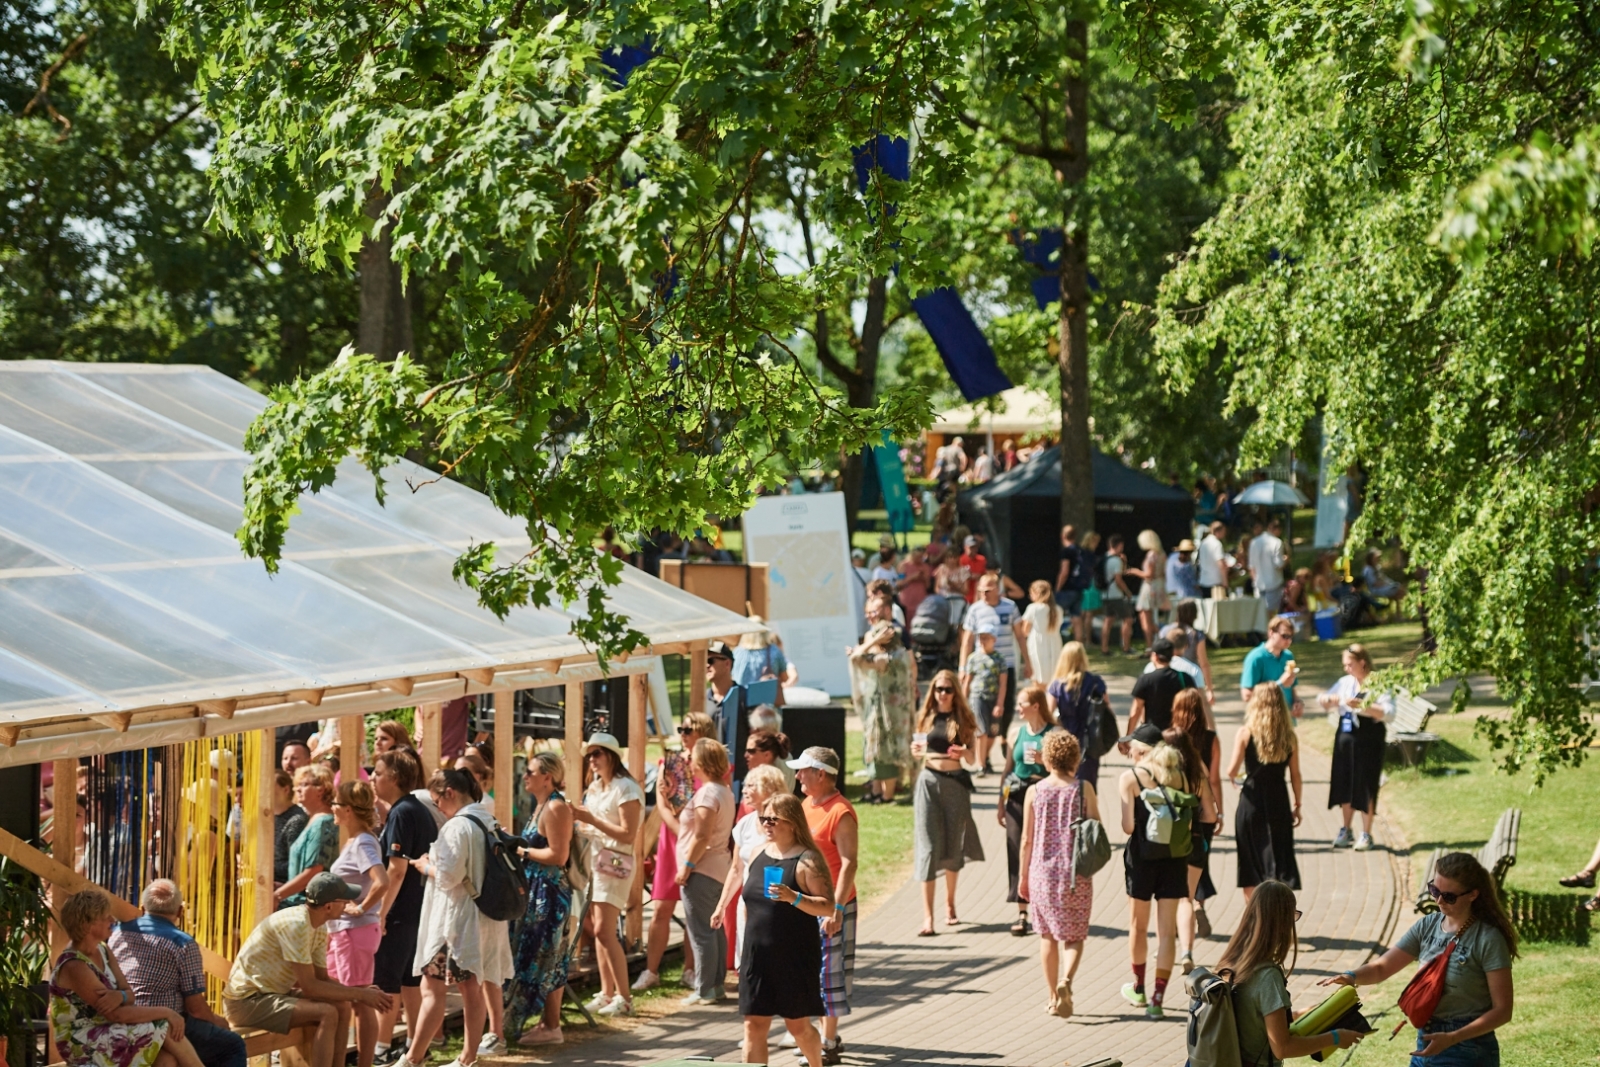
{"x":1060,"y":899}
{"x":548,"y":932}
{"x":884,"y":679}
{"x":96,"y":1022}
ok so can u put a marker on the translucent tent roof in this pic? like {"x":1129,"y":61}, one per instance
{"x":122,"y":587}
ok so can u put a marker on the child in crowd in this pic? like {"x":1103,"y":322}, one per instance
{"x":984,"y":682}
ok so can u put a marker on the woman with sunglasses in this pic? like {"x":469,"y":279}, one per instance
{"x":1477,"y":996}
{"x":769,"y":748}
{"x":353,"y":936}
{"x":1256,"y":955}
{"x":548,"y":932}
{"x":674,"y":788}
{"x":612,"y":809}
{"x":786,"y":888}
{"x":946,"y":836}
{"x":760,"y":785}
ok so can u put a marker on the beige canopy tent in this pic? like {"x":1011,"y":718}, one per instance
{"x":129,"y":618}
{"x":1023,"y":412}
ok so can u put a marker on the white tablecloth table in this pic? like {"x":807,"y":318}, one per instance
{"x":1236,"y":615}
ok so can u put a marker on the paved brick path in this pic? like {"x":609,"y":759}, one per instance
{"x":975,"y":994}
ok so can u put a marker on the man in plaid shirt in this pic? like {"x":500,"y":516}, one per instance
{"x":162,"y":965}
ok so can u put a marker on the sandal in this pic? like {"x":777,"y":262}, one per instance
{"x":1581,"y":880}
{"x":951,"y":920}
{"x":1592,"y":904}
{"x":1020,"y":927}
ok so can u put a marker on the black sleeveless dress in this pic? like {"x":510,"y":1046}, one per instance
{"x":780,"y":972}
{"x":1263,"y":825}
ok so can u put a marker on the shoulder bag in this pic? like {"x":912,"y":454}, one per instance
{"x":1091,"y":848}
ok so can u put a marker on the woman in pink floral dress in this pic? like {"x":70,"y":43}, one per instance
{"x":1060,"y":900}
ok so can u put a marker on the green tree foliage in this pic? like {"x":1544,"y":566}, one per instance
{"x":104,"y":250}
{"x":1407,"y":253}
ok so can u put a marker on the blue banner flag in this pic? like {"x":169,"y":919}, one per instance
{"x":892,"y":477}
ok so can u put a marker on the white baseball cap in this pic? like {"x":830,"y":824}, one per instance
{"x":809,"y":758}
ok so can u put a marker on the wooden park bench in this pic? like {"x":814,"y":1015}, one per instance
{"x":1408,"y":726}
{"x":1498,"y":856}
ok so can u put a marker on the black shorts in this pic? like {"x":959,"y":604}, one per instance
{"x":1166,"y":879}
{"x":1008,"y":710}
{"x":391,"y":964}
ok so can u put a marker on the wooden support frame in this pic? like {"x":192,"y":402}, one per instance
{"x":638,"y":702}
{"x":64,"y":801}
{"x":431,"y":718}
{"x":266,"y":825}
{"x":572,"y":743}
{"x":505,"y":783}
{"x":352,"y":739}
{"x":697,"y":676}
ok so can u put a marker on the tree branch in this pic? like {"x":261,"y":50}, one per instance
{"x":72,"y":51}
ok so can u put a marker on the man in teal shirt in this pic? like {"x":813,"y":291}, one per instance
{"x":1273,"y":662}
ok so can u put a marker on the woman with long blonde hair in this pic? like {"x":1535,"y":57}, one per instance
{"x":1075,"y":693}
{"x":1041,"y":624}
{"x":1264,"y":819}
{"x":1152,"y":570}
{"x":946,"y":837}
{"x":1150,"y":871}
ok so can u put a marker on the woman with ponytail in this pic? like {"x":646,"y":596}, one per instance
{"x":1477,"y":999}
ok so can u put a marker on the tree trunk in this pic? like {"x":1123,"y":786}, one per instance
{"x":385,"y":326}
{"x":1077,"y":463}
{"x":862,"y":390}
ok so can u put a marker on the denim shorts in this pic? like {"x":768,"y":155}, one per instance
{"x":1481,"y":1051}
{"x":1070,"y":601}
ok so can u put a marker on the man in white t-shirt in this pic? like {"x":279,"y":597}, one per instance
{"x":1266,"y":565}
{"x":1214,"y":562}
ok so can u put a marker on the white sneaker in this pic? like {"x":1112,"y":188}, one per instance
{"x":695,"y":999}
{"x":490,"y":1045}
{"x":647,"y":980}
{"x":1363,"y":843}
{"x":620,"y":1006}
{"x":687,"y":979}
{"x":596,"y":1002}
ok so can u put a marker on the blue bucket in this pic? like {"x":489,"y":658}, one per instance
{"x":1329,"y":626}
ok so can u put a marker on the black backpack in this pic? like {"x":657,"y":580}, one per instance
{"x":503,"y":896}
{"x":930,"y":626}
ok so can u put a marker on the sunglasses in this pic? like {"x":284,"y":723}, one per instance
{"x":686,"y":730}
{"x":1297,"y":914}
{"x":944,"y":689}
{"x":751,"y":751}
{"x":1442,"y":897}
{"x":769,"y":820}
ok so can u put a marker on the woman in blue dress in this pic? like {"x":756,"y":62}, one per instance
{"x":1074,"y":693}
{"x":547,"y":935}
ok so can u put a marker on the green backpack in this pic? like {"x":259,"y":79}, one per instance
{"x":1170,"y":824}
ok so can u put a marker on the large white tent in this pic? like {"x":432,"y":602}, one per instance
{"x":130,"y":618}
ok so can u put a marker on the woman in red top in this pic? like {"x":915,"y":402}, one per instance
{"x":916,"y":581}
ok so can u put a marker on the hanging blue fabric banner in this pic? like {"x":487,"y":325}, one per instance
{"x":965,"y":351}
{"x":892,"y":477}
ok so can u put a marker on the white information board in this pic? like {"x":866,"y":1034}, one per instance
{"x":805,"y":543}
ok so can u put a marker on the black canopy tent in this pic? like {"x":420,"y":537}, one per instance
{"x":1019,"y":512}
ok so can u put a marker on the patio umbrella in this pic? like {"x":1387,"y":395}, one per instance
{"x":1274,"y":494}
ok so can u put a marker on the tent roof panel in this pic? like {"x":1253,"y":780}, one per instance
{"x":122,"y":585}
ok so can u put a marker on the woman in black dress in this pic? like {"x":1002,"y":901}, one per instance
{"x":1189,"y":720}
{"x":780,"y":972}
{"x":1358,"y":747}
{"x":1265,"y":820}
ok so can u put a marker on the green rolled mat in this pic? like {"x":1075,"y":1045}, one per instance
{"x":1321,"y":1019}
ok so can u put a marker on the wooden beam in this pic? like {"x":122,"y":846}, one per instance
{"x":553,"y":666}
{"x":117,"y":720}
{"x":266,"y":771}
{"x":9,"y":735}
{"x":222,"y":709}
{"x":697,"y":679}
{"x":481,"y":675}
{"x":505,"y":784}
{"x":671,"y":648}
{"x":64,"y":801}
{"x":572,"y":743}
{"x":403,"y":686}
{"x":638,"y":701}
{"x":308,"y":696}
{"x":352,"y":738}
{"x":430,"y":717}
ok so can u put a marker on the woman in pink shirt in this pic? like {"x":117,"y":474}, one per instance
{"x":704,"y":856}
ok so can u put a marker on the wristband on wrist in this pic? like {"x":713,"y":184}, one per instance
{"x":1336,"y":1039}
{"x":838,"y":908}
{"x":688,"y":866}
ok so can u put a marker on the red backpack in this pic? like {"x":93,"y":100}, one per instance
{"x":1422,"y":993}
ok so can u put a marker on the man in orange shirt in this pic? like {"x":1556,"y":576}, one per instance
{"x":976,"y":566}
{"x":833,"y":823}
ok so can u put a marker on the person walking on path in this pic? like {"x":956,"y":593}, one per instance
{"x":1010,"y":641}
{"x":1152,"y":600}
{"x":547,"y":934}
{"x":1256,"y":956}
{"x":611,"y":812}
{"x":1060,"y":899}
{"x":458,"y":945}
{"x":1358,"y":747}
{"x":674,"y":790}
{"x":353,"y":936}
{"x":704,"y":854}
{"x":1041,"y":627}
{"x":786,"y":893}
{"x":1189,"y":719}
{"x":1263,"y":825}
{"x":162,"y":968}
{"x":1472,"y":925}
{"x":1194,"y":646}
{"x":1273,"y":661}
{"x":1072,"y":578}
{"x":883,"y":679}
{"x":984,"y":681}
{"x":1267,"y":558}
{"x":836,"y":830}
{"x":1204,"y":815}
{"x":1093,"y":593}
{"x":1119,"y":600}
{"x":1584,"y":879}
{"x":1075,"y":694}
{"x":1027,"y":768}
{"x":946,"y":836}
{"x":1150,"y":870}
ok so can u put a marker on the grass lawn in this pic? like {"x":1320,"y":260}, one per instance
{"x":1454,"y":802}
{"x":886,"y":844}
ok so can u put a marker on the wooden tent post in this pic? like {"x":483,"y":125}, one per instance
{"x":697,"y":677}
{"x":63,"y":842}
{"x":431,"y":718}
{"x":638,"y":700}
{"x":266,"y":825}
{"x":572,"y":745}
{"x":505,"y":784}
{"x":352,"y":735}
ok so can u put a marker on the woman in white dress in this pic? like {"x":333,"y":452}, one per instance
{"x":610,"y":815}
{"x":1153,"y":591}
{"x":457,"y":945}
{"x":1042,"y":623}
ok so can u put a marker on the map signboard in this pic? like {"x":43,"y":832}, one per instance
{"x":805,"y":544}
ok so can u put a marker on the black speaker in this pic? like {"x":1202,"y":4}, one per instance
{"x":807,"y":727}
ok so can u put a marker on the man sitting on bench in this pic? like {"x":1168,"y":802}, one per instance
{"x":280,"y":980}
{"x":162,"y":965}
